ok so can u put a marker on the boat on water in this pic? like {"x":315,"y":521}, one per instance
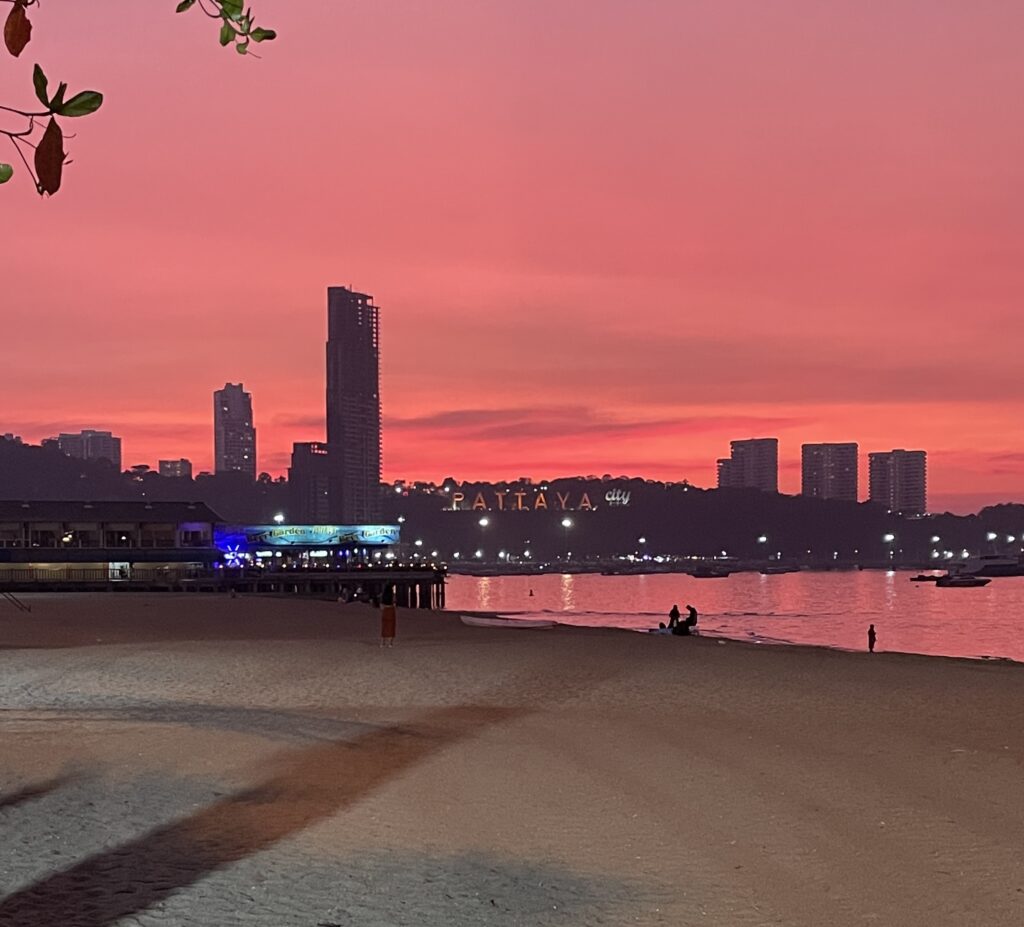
{"x":925,"y":578}
{"x":709,"y":573}
{"x":988,"y":565}
{"x":496,"y":621}
{"x":961,"y":581}
{"x":778,"y":570}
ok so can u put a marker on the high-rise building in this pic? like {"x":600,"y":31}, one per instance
{"x":829,"y":471}
{"x":898,"y":480}
{"x":752,"y":464}
{"x":234,"y":434}
{"x":353,"y":406}
{"x":309,"y":484}
{"x":181,"y":468}
{"x":92,"y":445}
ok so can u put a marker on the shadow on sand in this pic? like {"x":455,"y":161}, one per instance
{"x":31,"y":792}
{"x":309,"y":785}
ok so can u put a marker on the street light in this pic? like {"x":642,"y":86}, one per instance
{"x":889,"y":538}
{"x":566,"y":525}
{"x":279,"y":518}
{"x":483,"y":523}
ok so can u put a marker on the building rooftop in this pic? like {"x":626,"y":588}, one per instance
{"x":107,"y":511}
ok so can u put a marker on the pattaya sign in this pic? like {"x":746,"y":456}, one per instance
{"x":507,"y":500}
{"x":259,"y":536}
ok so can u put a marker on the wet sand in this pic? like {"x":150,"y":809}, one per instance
{"x":212,"y":761}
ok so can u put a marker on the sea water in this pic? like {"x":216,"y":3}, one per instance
{"x":830,"y":609}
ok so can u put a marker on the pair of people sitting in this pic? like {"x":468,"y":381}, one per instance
{"x":681,"y":627}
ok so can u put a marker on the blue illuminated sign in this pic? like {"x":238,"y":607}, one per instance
{"x":262,"y":536}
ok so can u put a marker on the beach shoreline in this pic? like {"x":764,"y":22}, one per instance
{"x":264,"y":761}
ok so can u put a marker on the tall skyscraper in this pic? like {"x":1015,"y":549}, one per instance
{"x":181,"y":468}
{"x":234,"y":435}
{"x":309,"y":484}
{"x":353,"y":406}
{"x":829,"y":471}
{"x":898,"y":480}
{"x":753,"y":464}
{"x":92,"y":445}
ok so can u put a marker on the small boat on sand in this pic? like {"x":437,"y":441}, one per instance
{"x":496,"y":621}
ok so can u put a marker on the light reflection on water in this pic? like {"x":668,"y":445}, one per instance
{"x":832,"y":609}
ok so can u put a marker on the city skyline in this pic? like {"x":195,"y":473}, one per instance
{"x":738,"y":258}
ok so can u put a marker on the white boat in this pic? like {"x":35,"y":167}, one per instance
{"x":988,"y":565}
{"x":495,"y":621}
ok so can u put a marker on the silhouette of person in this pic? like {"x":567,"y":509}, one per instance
{"x":673,"y":616}
{"x":691,"y":618}
{"x":387,"y":618}
{"x":872,"y":637}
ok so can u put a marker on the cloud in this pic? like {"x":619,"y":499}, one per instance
{"x":571,"y":422}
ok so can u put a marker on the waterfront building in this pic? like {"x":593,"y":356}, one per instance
{"x":91,"y":445}
{"x":96,"y":543}
{"x":752,"y":464}
{"x":180,"y":469}
{"x":829,"y":471}
{"x":897,"y":479}
{"x":353,"y":406}
{"x":309,"y":483}
{"x":234,"y":434}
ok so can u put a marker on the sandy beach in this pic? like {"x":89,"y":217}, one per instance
{"x":261,"y":761}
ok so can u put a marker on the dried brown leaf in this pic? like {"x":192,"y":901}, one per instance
{"x":17,"y":30}
{"x":50,"y":158}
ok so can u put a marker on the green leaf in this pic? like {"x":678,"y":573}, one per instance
{"x":6,"y":172}
{"x":232,"y":8}
{"x":40,"y":83}
{"x":184,"y":5}
{"x":227,"y":34}
{"x":81,"y":104}
{"x":263,"y":35}
{"x":58,"y":98}
{"x":241,"y":47}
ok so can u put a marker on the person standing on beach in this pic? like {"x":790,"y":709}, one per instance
{"x":673,"y":616}
{"x":872,"y":637}
{"x":388,"y":618}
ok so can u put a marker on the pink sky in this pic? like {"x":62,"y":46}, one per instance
{"x":606,"y":237}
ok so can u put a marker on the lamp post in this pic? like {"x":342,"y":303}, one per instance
{"x":566,"y":525}
{"x":641,"y":541}
{"x":889,"y":538}
{"x":483,"y":523}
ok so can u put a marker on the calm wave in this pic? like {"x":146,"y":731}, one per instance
{"x":827,"y":609}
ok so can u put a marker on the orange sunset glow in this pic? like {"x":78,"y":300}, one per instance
{"x":604,"y":237}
